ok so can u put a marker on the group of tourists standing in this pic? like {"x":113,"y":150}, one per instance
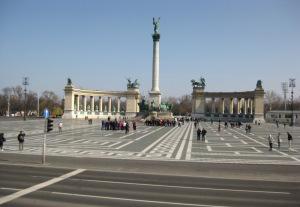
{"x":279,"y":140}
{"x":201,"y":133}
{"x":20,"y":137}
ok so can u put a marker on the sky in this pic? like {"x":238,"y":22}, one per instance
{"x":98,"y":44}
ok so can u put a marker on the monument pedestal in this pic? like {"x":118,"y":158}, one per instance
{"x":155,"y":98}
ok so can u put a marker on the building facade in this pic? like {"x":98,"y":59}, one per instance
{"x":80,"y":103}
{"x":247,"y":105}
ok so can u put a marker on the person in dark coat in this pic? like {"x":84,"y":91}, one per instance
{"x":203,"y":134}
{"x":2,"y":140}
{"x":198,"y":133}
{"x":290,"y":138}
{"x":21,"y":139}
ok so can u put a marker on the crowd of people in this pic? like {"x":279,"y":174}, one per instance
{"x":117,"y":125}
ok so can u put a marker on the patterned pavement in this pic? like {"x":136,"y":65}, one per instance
{"x":231,"y":145}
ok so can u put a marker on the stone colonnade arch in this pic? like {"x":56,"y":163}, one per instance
{"x":83,"y":103}
{"x":247,"y":105}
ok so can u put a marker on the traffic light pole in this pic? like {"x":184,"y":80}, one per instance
{"x":44,"y":143}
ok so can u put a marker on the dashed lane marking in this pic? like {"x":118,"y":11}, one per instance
{"x":228,"y":145}
{"x":243,"y":142}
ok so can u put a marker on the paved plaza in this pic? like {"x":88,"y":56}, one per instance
{"x":231,"y":145}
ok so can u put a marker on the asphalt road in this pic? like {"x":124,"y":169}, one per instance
{"x":45,"y":186}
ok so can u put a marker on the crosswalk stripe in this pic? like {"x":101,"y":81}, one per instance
{"x":209,"y":148}
{"x":189,"y":149}
{"x":179,"y":152}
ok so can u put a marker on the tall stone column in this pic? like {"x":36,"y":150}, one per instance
{"x":213,"y":105}
{"x":84,"y":103}
{"x":231,"y":106}
{"x":77,"y":102}
{"x":222,"y":105}
{"x":245,"y":106}
{"x":154,"y":94}
{"x":109,"y":104}
{"x":248,"y":105}
{"x":92,"y":103}
{"x":251,"y":106}
{"x":239,"y":106}
{"x":118,"y":104}
{"x":100,"y":104}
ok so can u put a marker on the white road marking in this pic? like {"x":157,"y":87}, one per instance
{"x":222,"y":139}
{"x":180,"y":150}
{"x":254,"y":148}
{"x":34,"y":188}
{"x":182,"y":187}
{"x":169,"y":155}
{"x":209,"y":148}
{"x":136,"y":200}
{"x":157,"y":141}
{"x":77,"y":141}
{"x":107,"y":135}
{"x":284,"y":154}
{"x":243,"y":142}
{"x":237,"y":153}
{"x":138,"y":138}
{"x":124,"y":145}
{"x":104,"y":143}
{"x":235,"y":137}
{"x":228,"y":145}
{"x":206,"y":141}
{"x":189,"y":148}
{"x":111,"y":145}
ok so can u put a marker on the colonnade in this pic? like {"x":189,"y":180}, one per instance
{"x":243,"y":105}
{"x":246,"y":104}
{"x":80,"y":103}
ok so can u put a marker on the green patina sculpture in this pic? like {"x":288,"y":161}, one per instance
{"x":259,"y":84}
{"x":200,"y":84}
{"x":156,"y":25}
{"x":131,"y":84}
{"x":69,"y":82}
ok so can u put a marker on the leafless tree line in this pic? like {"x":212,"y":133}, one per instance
{"x":13,"y":99}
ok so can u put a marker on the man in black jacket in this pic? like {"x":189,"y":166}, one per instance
{"x":21,"y":139}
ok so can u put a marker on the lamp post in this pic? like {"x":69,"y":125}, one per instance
{"x":292,"y":85}
{"x":284,"y":86}
{"x":25,"y":83}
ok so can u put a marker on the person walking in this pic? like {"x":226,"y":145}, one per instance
{"x":203,"y":134}
{"x":2,"y":140}
{"x":21,"y":139}
{"x":290,"y":138}
{"x":198,"y":134}
{"x":278,"y":140}
{"x":134,"y":125}
{"x":126,"y":128}
{"x":60,"y":125}
{"x":271,"y":141}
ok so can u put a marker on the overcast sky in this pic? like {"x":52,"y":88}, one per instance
{"x":98,"y":44}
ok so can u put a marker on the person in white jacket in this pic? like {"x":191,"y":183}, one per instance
{"x":271,"y":141}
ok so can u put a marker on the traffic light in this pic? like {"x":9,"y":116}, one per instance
{"x":49,"y":125}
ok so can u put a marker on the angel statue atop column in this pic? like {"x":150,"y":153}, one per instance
{"x":156,"y":25}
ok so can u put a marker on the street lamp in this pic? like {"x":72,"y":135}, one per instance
{"x":292,"y":85}
{"x":284,"y":86}
{"x":25,"y":83}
